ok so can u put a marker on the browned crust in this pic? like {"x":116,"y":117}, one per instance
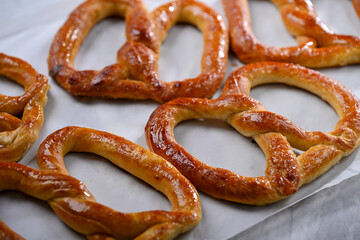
{"x":275,"y":134}
{"x":135,"y":75}
{"x":17,"y":135}
{"x":76,"y":206}
{"x":318,"y":46}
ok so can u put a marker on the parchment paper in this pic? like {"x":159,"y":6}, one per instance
{"x":27,"y":30}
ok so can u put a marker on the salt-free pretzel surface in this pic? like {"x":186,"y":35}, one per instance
{"x":318,"y":46}
{"x":277,"y":136}
{"x":76,"y":206}
{"x":135,"y":75}
{"x":21,"y":117}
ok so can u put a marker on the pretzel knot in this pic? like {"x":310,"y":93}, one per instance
{"x":318,"y":45}
{"x":76,"y":206}
{"x":17,"y":135}
{"x":135,"y":75}
{"x":285,"y":172}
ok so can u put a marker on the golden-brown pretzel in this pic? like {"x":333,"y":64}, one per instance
{"x":17,"y":135}
{"x":76,"y":206}
{"x":318,"y":45}
{"x":276,"y":135}
{"x":135,"y":75}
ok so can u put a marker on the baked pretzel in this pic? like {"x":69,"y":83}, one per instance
{"x":76,"y":206}
{"x":135,"y":75}
{"x":318,"y":45}
{"x":285,"y":172}
{"x":17,"y":135}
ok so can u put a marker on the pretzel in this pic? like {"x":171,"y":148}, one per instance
{"x":285,"y":172}
{"x":76,"y":206}
{"x":135,"y":75}
{"x":318,"y":46}
{"x":17,"y":135}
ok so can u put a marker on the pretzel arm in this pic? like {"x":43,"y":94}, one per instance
{"x":68,"y":40}
{"x":22,"y":73}
{"x":94,"y":218}
{"x":217,"y":182}
{"x":215,"y":50}
{"x":17,"y":135}
{"x":251,"y":123}
{"x":300,"y":23}
{"x":17,"y":70}
{"x":8,"y":122}
{"x":90,"y":217}
{"x":20,"y":140}
{"x":344,"y":102}
{"x":8,"y":128}
{"x":111,"y":82}
{"x":301,"y":20}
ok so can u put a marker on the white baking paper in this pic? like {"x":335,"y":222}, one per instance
{"x":27,"y":29}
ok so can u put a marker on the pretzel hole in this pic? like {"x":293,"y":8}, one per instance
{"x":268,"y":26}
{"x":23,"y":213}
{"x":10,"y":87}
{"x":101,"y":44}
{"x":306,"y":110}
{"x":181,"y":49}
{"x":113,"y":186}
{"x":217,"y":144}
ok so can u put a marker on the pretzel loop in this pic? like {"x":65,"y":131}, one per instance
{"x":318,"y":45}
{"x":17,"y":135}
{"x":135,"y":75}
{"x":276,"y":135}
{"x":76,"y":206}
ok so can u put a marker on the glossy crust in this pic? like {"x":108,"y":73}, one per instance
{"x":318,"y":46}
{"x":285,"y":172}
{"x":17,"y":135}
{"x":135,"y":75}
{"x":76,"y":206}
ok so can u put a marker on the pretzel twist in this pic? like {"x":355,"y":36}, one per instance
{"x":17,"y":135}
{"x":76,"y":206}
{"x":285,"y":172}
{"x":135,"y":75}
{"x":318,"y":46}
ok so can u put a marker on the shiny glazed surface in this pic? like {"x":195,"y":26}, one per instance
{"x":318,"y":46}
{"x":75,"y":205}
{"x":135,"y":75}
{"x":21,"y":117}
{"x":285,"y":172}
